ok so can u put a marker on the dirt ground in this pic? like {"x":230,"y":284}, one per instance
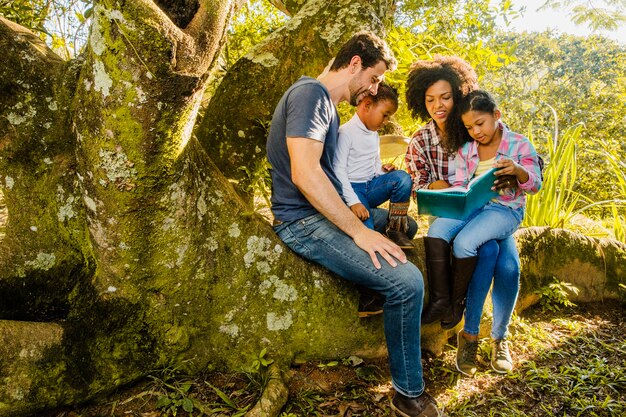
{"x":545,"y":345}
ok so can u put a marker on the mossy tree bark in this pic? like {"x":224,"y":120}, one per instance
{"x":234,"y":129}
{"x":126,"y":250}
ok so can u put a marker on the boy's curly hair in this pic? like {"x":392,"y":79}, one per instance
{"x":385,"y":92}
{"x":425,"y":73}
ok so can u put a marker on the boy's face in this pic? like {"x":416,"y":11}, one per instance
{"x":375,"y":115}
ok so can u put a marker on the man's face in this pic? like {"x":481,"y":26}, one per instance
{"x":366,"y":81}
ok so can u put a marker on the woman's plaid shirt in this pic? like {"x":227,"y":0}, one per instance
{"x":426,"y":160}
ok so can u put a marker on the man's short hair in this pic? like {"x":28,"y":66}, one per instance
{"x":369,"y":47}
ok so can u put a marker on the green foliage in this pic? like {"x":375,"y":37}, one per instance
{"x":558,"y":203}
{"x":258,"y":182}
{"x":556,"y":295}
{"x":28,"y":13}
{"x":554,"y":205}
{"x":61,"y":23}
{"x":597,"y":14}
{"x":230,"y":405}
{"x":425,"y":28}
{"x":324,"y":366}
{"x":174,"y":392}
{"x":579,"y":79}
{"x":262,"y":362}
{"x":254,"y":22}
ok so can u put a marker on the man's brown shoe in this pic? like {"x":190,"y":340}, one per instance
{"x":422,"y":406}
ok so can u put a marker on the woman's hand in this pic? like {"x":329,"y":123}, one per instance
{"x":360,"y":211}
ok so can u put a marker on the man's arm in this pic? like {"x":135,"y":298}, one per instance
{"x":311,"y":180}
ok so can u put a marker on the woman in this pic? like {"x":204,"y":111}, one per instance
{"x":433,"y":89}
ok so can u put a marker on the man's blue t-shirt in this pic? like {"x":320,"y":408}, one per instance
{"x":305,"y":110}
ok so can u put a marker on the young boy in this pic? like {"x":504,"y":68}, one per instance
{"x":366,"y":182}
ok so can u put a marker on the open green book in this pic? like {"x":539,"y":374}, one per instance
{"x":458,"y":202}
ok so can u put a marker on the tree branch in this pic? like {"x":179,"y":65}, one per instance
{"x":233,"y":129}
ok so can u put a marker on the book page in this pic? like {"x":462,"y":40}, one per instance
{"x":458,"y":189}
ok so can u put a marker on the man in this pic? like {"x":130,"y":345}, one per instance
{"x":312,"y":219}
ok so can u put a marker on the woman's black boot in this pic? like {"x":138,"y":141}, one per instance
{"x":438,"y":276}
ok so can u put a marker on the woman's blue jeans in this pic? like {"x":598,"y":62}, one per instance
{"x":498,"y":262}
{"x":317,"y":239}
{"x":394,"y":186}
{"x":493,"y":221}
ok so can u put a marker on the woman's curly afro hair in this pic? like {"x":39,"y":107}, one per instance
{"x":425,"y":73}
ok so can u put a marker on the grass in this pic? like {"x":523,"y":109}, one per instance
{"x":569,"y":362}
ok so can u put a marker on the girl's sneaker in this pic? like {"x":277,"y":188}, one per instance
{"x":466,"y":353}
{"x":501,"y":361}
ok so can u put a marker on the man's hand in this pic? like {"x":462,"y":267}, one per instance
{"x":373,"y":242}
{"x":389,"y":167}
{"x":360,"y":211}
{"x":312,"y":181}
{"x":438,"y":185}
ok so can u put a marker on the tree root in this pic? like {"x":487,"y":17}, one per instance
{"x":274,"y":396}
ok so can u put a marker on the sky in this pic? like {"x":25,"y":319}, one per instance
{"x":538,"y":21}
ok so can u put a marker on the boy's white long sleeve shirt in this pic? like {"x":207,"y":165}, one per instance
{"x":357,"y":158}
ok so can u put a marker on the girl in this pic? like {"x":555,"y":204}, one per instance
{"x":518,"y":174}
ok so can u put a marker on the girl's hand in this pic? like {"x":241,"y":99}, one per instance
{"x":505,"y":181}
{"x":507,"y":166}
{"x":360,"y":211}
{"x":389,"y":167}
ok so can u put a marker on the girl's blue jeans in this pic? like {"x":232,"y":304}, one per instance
{"x":394,"y":186}
{"x":488,"y":234}
{"x":498,"y":262}
{"x":317,"y":239}
{"x":493,"y":221}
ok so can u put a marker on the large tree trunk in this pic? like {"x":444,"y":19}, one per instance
{"x":126,"y":249}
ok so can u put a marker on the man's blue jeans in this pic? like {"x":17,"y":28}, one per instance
{"x":317,"y":239}
{"x":498,"y":261}
{"x":394,"y":186}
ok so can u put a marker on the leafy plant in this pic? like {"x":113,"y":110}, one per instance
{"x":176,"y":399}
{"x":555,"y":204}
{"x":174,"y":392}
{"x":230,"y":405}
{"x":556,"y":295}
{"x":324,"y":366}
{"x":262,"y":362}
{"x":258,"y":183}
